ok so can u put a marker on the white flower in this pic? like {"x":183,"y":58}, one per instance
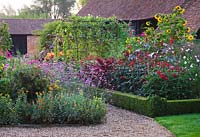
{"x":187,"y":50}
{"x":191,"y":65}
{"x":185,"y":62}
{"x":184,"y":57}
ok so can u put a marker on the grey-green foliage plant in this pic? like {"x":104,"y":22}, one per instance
{"x":86,"y":36}
{"x":65,"y":108}
{"x":51,"y":107}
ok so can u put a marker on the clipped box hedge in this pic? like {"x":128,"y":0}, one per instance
{"x":150,"y":106}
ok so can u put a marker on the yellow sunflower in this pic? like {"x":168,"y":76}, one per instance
{"x":184,"y":23}
{"x":178,"y":8}
{"x":168,"y":30}
{"x":182,"y":11}
{"x":159,"y":20}
{"x":156,"y":16}
{"x":188,"y":29}
{"x":190,"y":37}
{"x":148,"y":23}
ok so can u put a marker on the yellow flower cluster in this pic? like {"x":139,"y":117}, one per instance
{"x":2,"y":66}
{"x":158,"y":18}
{"x":54,"y":86}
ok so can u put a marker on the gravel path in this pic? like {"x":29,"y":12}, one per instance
{"x":120,"y":123}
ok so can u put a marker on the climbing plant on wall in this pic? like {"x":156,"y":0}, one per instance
{"x":5,"y":38}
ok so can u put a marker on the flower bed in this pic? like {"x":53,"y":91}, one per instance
{"x":50,"y":108}
{"x":164,"y":62}
{"x":33,"y":93}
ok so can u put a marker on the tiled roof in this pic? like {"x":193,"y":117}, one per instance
{"x":25,"y":26}
{"x":141,"y":9}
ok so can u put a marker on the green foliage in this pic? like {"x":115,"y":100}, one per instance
{"x":8,"y":114}
{"x":26,"y":78}
{"x":126,"y":77}
{"x":182,"y":125}
{"x":154,"y":105}
{"x":182,"y":106}
{"x":183,"y":86}
{"x":5,"y":38}
{"x":51,"y":107}
{"x":23,"y":108}
{"x":84,"y":36}
{"x":131,"y":102}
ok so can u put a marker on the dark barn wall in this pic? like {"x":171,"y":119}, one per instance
{"x":198,"y":34}
{"x":19,"y":43}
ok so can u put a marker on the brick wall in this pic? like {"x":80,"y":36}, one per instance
{"x":32,"y":45}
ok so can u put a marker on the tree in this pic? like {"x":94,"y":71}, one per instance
{"x":41,"y":9}
{"x":9,"y":11}
{"x":64,"y":7}
{"x":55,"y":8}
{"x":32,"y":12}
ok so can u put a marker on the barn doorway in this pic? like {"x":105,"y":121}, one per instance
{"x":19,"y":44}
{"x":198,"y":34}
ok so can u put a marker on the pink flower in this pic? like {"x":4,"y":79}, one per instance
{"x":6,"y":66}
{"x":172,"y":67}
{"x":142,"y":34}
{"x":8,"y":55}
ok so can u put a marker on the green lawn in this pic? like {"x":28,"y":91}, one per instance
{"x":182,"y":125}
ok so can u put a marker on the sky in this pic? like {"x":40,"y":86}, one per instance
{"x":16,"y":4}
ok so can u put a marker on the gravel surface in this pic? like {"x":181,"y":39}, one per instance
{"x":120,"y":123}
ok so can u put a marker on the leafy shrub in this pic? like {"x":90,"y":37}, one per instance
{"x":27,"y":78}
{"x":172,"y":82}
{"x":51,"y":107}
{"x":8,"y":114}
{"x":95,"y":71}
{"x":127,"y":76}
{"x":23,"y":108}
{"x":68,"y":109}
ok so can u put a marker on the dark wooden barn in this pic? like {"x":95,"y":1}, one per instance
{"x":22,"y":33}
